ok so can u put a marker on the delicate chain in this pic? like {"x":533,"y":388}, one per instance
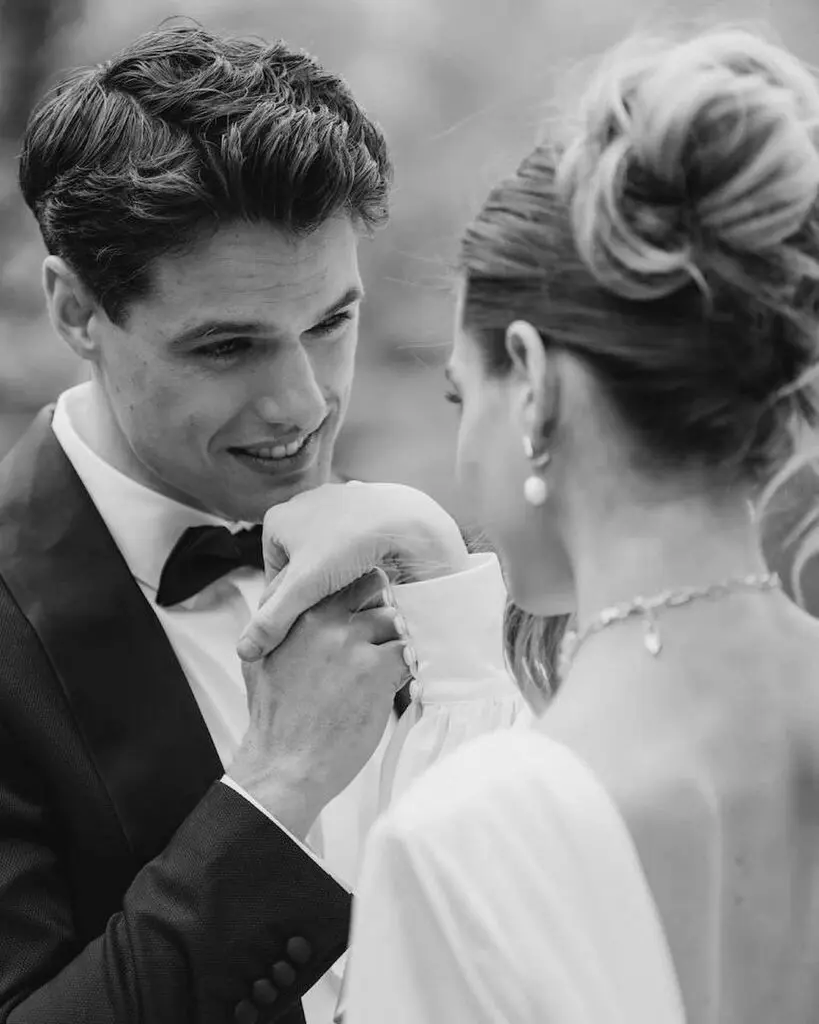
{"x":647,"y":606}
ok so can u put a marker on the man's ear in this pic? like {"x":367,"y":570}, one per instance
{"x":536,"y":378}
{"x":71,"y":307}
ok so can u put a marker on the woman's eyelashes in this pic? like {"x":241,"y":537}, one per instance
{"x":453,"y":397}
{"x":332,"y":324}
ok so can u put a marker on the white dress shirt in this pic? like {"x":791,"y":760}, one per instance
{"x":454,"y":622}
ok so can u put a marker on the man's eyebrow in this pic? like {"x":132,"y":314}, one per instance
{"x":214,"y":327}
{"x":450,"y":376}
{"x":354,"y":294}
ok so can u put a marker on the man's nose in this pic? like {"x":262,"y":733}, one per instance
{"x":290,"y":394}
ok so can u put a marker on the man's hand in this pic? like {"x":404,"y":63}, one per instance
{"x":322,"y":540}
{"x":320,"y":703}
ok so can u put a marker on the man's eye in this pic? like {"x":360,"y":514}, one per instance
{"x":453,"y":397}
{"x":227,"y":349}
{"x":332,"y":324}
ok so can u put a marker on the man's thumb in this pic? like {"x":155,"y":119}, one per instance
{"x":276,"y":557}
{"x":279,"y":608}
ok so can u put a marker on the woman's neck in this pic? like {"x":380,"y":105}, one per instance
{"x":643,"y":551}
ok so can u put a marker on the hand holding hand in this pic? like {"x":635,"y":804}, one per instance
{"x":322,"y":540}
{"x":319,"y":704}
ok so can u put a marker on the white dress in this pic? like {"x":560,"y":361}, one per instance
{"x":504,"y":888}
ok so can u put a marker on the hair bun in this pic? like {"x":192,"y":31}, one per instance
{"x":688,"y":148}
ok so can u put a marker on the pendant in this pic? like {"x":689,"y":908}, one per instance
{"x":651,"y":636}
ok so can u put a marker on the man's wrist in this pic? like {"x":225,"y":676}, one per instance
{"x":289,"y":804}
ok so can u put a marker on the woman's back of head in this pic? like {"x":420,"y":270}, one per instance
{"x":673,"y":245}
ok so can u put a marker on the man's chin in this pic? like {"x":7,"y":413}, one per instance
{"x":251,"y":506}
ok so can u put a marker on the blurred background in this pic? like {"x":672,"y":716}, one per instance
{"x":461,"y":88}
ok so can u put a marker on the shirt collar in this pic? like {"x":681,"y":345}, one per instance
{"x":144,"y":524}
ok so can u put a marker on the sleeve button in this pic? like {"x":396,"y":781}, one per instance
{"x":264,"y":993}
{"x":299,"y":950}
{"x":246,"y":1013}
{"x":283,"y":974}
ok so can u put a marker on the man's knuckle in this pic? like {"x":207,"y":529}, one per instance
{"x":362,"y":657}
{"x":315,"y":618}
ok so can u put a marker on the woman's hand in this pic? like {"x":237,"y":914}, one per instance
{"x":323,"y":540}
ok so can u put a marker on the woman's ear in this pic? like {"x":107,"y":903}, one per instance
{"x":535,"y":378}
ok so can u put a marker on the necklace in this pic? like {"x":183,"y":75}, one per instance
{"x":647,"y":606}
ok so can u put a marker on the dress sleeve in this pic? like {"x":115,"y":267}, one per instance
{"x":412,"y":960}
{"x":443,"y":908}
{"x":463,"y":688}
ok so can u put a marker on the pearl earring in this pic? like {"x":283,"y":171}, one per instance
{"x":535,"y":488}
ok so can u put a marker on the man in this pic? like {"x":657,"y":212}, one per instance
{"x":201,"y":200}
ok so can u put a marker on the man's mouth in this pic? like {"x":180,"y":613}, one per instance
{"x":277,"y":451}
{"x":276,"y":457}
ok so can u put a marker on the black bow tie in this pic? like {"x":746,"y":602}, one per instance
{"x":204,"y":554}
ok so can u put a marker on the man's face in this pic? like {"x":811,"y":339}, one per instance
{"x":226,"y":387}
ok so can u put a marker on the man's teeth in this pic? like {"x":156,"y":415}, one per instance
{"x":280,"y":451}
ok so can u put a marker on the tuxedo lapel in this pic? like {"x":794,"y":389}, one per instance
{"x":125,"y":686}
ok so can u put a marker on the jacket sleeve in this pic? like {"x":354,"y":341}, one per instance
{"x":233,"y":921}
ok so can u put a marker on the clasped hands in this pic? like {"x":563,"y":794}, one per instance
{"x":326,"y":651}
{"x":324,"y":540}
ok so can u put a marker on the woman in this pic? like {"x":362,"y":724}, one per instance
{"x":638,"y":314}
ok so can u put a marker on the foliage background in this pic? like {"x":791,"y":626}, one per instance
{"x":461,"y":88}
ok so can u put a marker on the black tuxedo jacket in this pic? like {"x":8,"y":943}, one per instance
{"x":135,"y":888}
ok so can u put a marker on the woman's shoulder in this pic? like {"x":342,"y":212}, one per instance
{"x":502,"y":788}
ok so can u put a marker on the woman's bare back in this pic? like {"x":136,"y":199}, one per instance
{"x":711,"y":752}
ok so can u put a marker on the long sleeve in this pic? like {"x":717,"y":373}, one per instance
{"x":197,"y":926}
{"x":407,"y":964}
{"x":463,"y":689}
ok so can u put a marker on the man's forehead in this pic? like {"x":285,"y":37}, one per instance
{"x":258,"y":272}
{"x":250,"y":256}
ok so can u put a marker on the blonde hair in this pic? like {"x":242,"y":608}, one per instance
{"x":532,"y":645}
{"x":672,"y":245}
{"x":690,"y":155}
